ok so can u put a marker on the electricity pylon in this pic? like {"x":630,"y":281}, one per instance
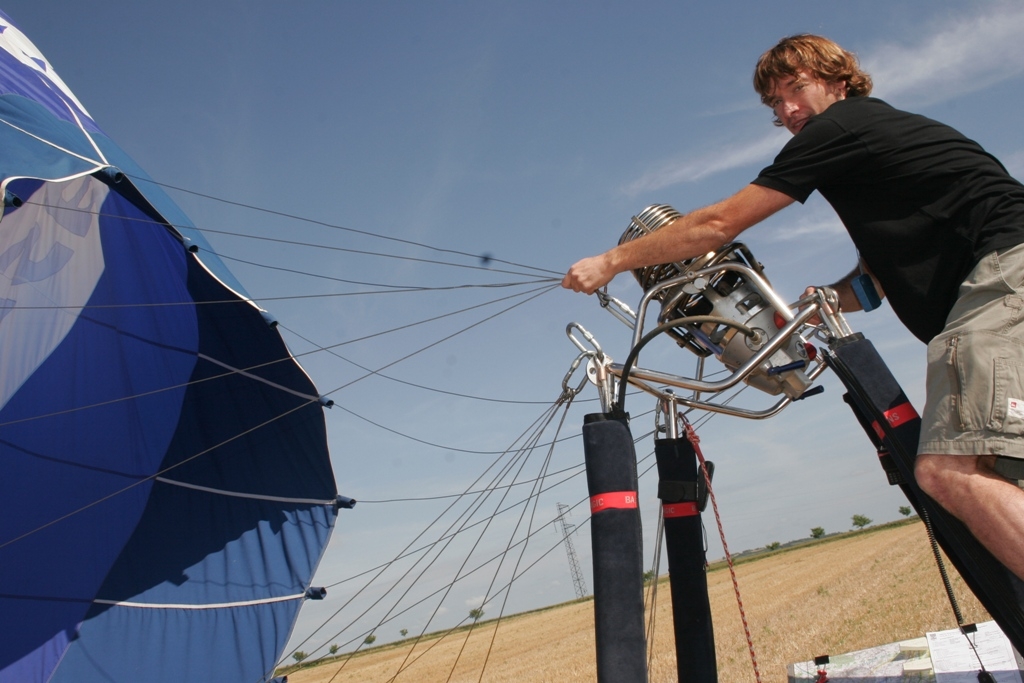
{"x":574,"y":564}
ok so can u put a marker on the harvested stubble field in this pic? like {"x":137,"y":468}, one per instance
{"x":836,"y":596}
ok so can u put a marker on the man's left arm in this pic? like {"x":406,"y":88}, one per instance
{"x":696,"y":233}
{"x":848,"y":300}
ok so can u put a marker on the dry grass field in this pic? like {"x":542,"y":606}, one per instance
{"x":838,"y":596}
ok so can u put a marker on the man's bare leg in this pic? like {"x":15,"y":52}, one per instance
{"x":989,"y":505}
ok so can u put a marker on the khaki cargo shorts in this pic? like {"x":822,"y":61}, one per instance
{"x":975,"y":381}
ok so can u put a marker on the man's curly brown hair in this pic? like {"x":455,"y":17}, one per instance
{"x":819,"y":56}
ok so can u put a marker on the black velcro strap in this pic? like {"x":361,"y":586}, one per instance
{"x":1011,"y":468}
{"x":677,"y":491}
{"x":892,"y":471}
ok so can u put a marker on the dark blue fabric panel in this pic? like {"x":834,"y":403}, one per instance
{"x":39,"y":663}
{"x":266,"y":422}
{"x":134,"y":645}
{"x":167,"y":209}
{"x":239,"y":434}
{"x":197,"y":547}
{"x":26,"y":156}
{"x":140,"y":383}
{"x":49,"y":578}
{"x":58,"y":456}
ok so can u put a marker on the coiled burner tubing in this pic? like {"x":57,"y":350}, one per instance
{"x":677,"y":302}
{"x":723,"y":311}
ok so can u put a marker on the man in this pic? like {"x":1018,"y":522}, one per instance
{"x":937,"y":221}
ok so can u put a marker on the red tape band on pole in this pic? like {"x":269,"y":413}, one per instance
{"x":673,"y":510}
{"x":895,"y":417}
{"x":613,"y":500}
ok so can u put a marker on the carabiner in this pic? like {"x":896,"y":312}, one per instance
{"x":567,"y":391}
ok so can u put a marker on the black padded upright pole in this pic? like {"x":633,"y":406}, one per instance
{"x":681,"y":498}
{"x":892,"y":423}
{"x":617,"y":547}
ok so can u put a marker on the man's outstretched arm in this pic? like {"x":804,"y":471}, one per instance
{"x":691,"y":235}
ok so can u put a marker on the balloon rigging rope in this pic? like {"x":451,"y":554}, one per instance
{"x":155,"y":475}
{"x":407,"y":552}
{"x":542,"y":291}
{"x":247,"y":431}
{"x":339,"y":227}
{"x":652,"y":593}
{"x":395,"y":288}
{"x":362,"y":252}
{"x":390,"y":288}
{"x":495,"y":479}
{"x":436,"y":641}
{"x":398,"y":288}
{"x":521,"y":457}
{"x":554,"y":277}
{"x":691,"y":434}
{"x":534,"y":495}
{"x":297,"y":356}
{"x":504,"y":588}
{"x":331,"y":351}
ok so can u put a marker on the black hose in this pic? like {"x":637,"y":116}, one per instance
{"x":620,"y":405}
{"x":942,"y":567}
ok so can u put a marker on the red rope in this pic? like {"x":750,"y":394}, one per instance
{"x":691,"y":434}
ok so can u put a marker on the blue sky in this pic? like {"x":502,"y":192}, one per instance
{"x":530,"y":132}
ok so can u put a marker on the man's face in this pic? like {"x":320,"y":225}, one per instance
{"x":795,"y":99}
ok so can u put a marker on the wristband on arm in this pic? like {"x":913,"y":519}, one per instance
{"x":864,"y":289}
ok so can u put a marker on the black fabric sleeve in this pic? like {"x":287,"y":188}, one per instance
{"x":782,"y":186}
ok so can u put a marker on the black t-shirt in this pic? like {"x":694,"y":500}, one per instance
{"x":922,"y":202}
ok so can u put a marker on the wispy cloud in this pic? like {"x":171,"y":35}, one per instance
{"x":688,"y":170}
{"x":956,"y":57}
{"x":961,"y":56}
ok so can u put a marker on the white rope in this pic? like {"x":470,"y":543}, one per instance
{"x":216,"y":605}
{"x":98,"y":164}
{"x":308,"y":397}
{"x":252,"y":496}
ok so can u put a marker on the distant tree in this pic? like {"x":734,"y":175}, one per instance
{"x":404,"y":632}
{"x":334,"y":649}
{"x":475,"y":614}
{"x":299,"y":655}
{"x":817,"y":532}
{"x":905,"y":510}
{"x":860,"y":521}
{"x":649,"y":575}
{"x":369,"y":640}
{"x":774,"y":545}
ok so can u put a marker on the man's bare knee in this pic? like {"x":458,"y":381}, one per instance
{"x":928,"y":470}
{"x":943,"y":477}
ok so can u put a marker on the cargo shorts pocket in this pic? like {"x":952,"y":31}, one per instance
{"x":989,"y":382}
{"x":1008,"y":396}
